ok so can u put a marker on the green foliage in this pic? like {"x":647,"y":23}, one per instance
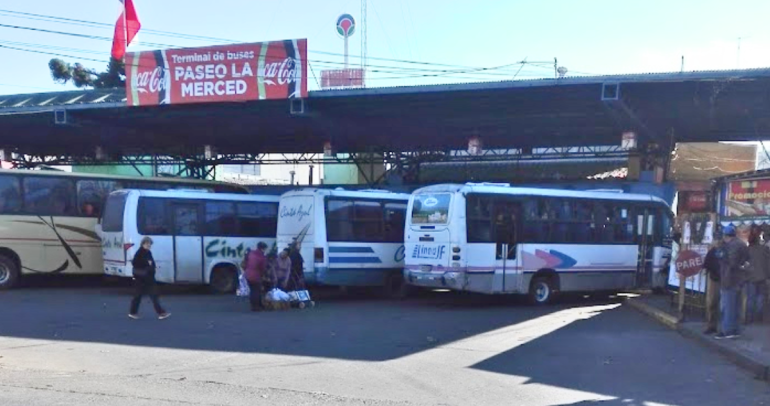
{"x":63,"y":72}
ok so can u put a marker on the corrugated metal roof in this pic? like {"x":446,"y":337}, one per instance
{"x":117,"y":96}
{"x":708,"y":75}
{"x":69,"y":98}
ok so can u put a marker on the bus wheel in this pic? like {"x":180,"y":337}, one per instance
{"x":224,"y":279}
{"x":541,"y":290}
{"x":9,"y":272}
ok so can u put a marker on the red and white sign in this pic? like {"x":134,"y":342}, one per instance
{"x":689,"y":263}
{"x":226,"y":73}
{"x":342,"y":78}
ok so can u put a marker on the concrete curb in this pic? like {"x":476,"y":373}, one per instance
{"x":737,"y":356}
{"x":663,"y":317}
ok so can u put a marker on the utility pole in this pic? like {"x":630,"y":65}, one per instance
{"x":555,"y":68}
{"x":363,"y":40}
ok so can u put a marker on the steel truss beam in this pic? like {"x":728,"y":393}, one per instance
{"x":405,"y":164}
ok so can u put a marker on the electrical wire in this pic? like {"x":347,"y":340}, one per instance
{"x":42,"y":17}
{"x":384,"y":68}
{"x":406,"y":72}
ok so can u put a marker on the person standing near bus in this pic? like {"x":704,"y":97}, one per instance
{"x":144,"y":280}
{"x":297,"y":278}
{"x":711,"y":264}
{"x":282,"y":270}
{"x":255,"y":270}
{"x":733,"y":257}
{"x":757,"y":276}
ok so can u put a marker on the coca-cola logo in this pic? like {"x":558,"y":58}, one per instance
{"x":151,"y":81}
{"x":283,"y":72}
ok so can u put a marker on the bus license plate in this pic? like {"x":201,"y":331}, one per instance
{"x":426,"y":268}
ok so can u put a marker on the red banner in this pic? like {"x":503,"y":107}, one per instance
{"x":226,"y":73}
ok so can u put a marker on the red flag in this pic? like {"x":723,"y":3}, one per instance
{"x":125,"y":29}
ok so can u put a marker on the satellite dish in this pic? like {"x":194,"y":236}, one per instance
{"x":562,"y":70}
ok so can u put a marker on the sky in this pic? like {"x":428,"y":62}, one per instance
{"x":587,"y":37}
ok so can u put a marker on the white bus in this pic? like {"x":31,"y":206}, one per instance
{"x":48,"y":217}
{"x":199,"y":238}
{"x":493,"y":238}
{"x":348,"y":238}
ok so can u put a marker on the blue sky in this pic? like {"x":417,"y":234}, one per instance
{"x":587,"y":37}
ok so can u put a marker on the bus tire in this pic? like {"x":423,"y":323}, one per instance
{"x":541,"y":290}
{"x":224,"y":279}
{"x":9,"y":272}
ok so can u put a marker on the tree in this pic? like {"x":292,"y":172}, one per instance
{"x":63,"y":72}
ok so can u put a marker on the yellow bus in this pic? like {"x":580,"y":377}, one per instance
{"x":48,"y":218}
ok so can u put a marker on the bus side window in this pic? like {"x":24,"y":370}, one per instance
{"x":479,"y":219}
{"x":257,"y":219}
{"x":564,"y":215}
{"x":10,"y":194}
{"x":603,"y":231}
{"x":395,"y":220}
{"x":532,"y":224}
{"x":49,"y":196}
{"x":368,"y":221}
{"x":220,"y":219}
{"x":151,"y":216}
{"x":92,"y":194}
{"x":339,"y":220}
{"x":581,"y":227}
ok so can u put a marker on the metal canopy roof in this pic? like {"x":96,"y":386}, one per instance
{"x":698,"y":106}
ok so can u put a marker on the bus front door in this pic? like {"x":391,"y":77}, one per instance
{"x":507,"y":225}
{"x":645,"y":234}
{"x":188,"y":243}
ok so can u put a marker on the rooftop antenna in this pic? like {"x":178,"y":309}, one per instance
{"x":738,"y":54}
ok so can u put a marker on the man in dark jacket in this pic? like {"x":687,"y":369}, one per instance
{"x":711,"y":265}
{"x":733,"y":258}
{"x":297,"y":277}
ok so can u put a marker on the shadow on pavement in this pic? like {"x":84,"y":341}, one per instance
{"x":353,"y":326}
{"x":620,"y":353}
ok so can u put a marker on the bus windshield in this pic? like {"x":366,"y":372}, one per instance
{"x":431,"y":208}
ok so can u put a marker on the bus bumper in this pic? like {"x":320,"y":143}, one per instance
{"x":117,"y":270}
{"x":454,"y":280}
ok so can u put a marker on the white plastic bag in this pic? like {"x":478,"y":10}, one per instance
{"x":277,"y":295}
{"x":243,"y":286}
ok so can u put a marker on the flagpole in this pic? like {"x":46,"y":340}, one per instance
{"x":125,"y":29}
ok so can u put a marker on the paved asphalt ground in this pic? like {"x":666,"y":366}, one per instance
{"x":74,"y":345}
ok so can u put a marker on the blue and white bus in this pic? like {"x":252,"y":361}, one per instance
{"x":348,"y":238}
{"x":495,"y":239}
